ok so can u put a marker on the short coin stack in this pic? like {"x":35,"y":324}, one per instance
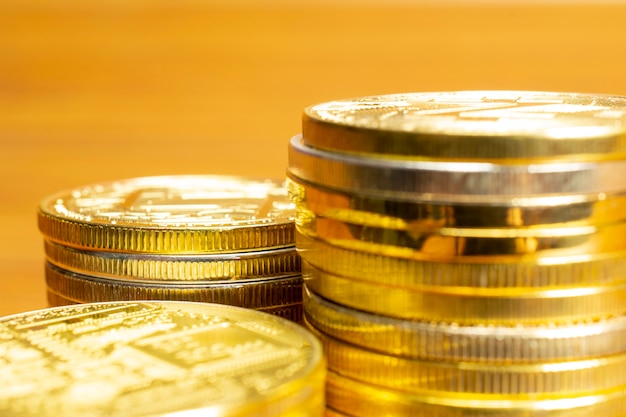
{"x":158,"y":358}
{"x":464,"y":253}
{"x":216,"y":239}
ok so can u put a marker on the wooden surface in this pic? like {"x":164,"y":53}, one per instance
{"x":101,"y":90}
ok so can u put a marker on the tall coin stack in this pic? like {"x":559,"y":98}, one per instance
{"x":216,"y":239}
{"x":463,"y":253}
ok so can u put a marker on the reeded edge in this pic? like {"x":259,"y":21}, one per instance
{"x":82,"y":235}
{"x":292,"y":312}
{"x":254,"y":294}
{"x":470,"y":306}
{"x":516,"y":381}
{"x":175,"y":267}
{"x":446,"y":341}
{"x":460,"y":182}
{"x":361,"y":399}
{"x":57,"y":300}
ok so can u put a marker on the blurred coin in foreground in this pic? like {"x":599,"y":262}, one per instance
{"x":174,"y":358}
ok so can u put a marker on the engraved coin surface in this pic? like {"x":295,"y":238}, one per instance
{"x":472,"y":125}
{"x":157,"y":359}
{"x":175,"y":214}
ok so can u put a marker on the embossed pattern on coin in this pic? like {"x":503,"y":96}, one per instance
{"x":174,"y":357}
{"x":472,"y":125}
{"x":175,"y":214}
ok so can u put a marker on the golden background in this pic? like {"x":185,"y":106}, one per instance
{"x":98,"y":90}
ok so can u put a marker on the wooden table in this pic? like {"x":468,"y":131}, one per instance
{"x":101,"y":90}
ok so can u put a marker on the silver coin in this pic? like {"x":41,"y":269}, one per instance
{"x":480,"y":182}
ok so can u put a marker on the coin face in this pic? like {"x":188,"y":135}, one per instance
{"x":175,"y":201}
{"x":155,"y":358}
{"x":471,"y":124}
{"x":174,"y":214}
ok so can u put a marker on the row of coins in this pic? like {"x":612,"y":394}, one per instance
{"x":215,"y":239}
{"x":463,"y":252}
{"x":158,"y":358}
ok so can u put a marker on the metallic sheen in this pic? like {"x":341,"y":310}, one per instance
{"x":176,"y":267}
{"x":515,"y":380}
{"x":522,"y":271}
{"x":472,"y":125}
{"x":449,"y":341}
{"x":357,"y":398}
{"x":171,"y":214}
{"x":314,"y":200}
{"x":470,"y":306}
{"x":258,"y":294}
{"x":157,"y":359}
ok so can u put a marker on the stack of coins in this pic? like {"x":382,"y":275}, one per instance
{"x":158,"y":358}
{"x":463,"y":253}
{"x":216,"y":239}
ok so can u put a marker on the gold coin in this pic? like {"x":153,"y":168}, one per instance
{"x":176,"y":267}
{"x":472,"y":125}
{"x":441,"y":341}
{"x":291,"y":312}
{"x":356,"y":398}
{"x":470,"y":306}
{"x":171,"y":214}
{"x":261,"y":293}
{"x":332,"y":413}
{"x":498,"y":272}
{"x":505,"y":220}
{"x":157,"y":359}
{"x":549,"y":183}
{"x":56,"y":300}
{"x":448,"y":244}
{"x":515,"y":381}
